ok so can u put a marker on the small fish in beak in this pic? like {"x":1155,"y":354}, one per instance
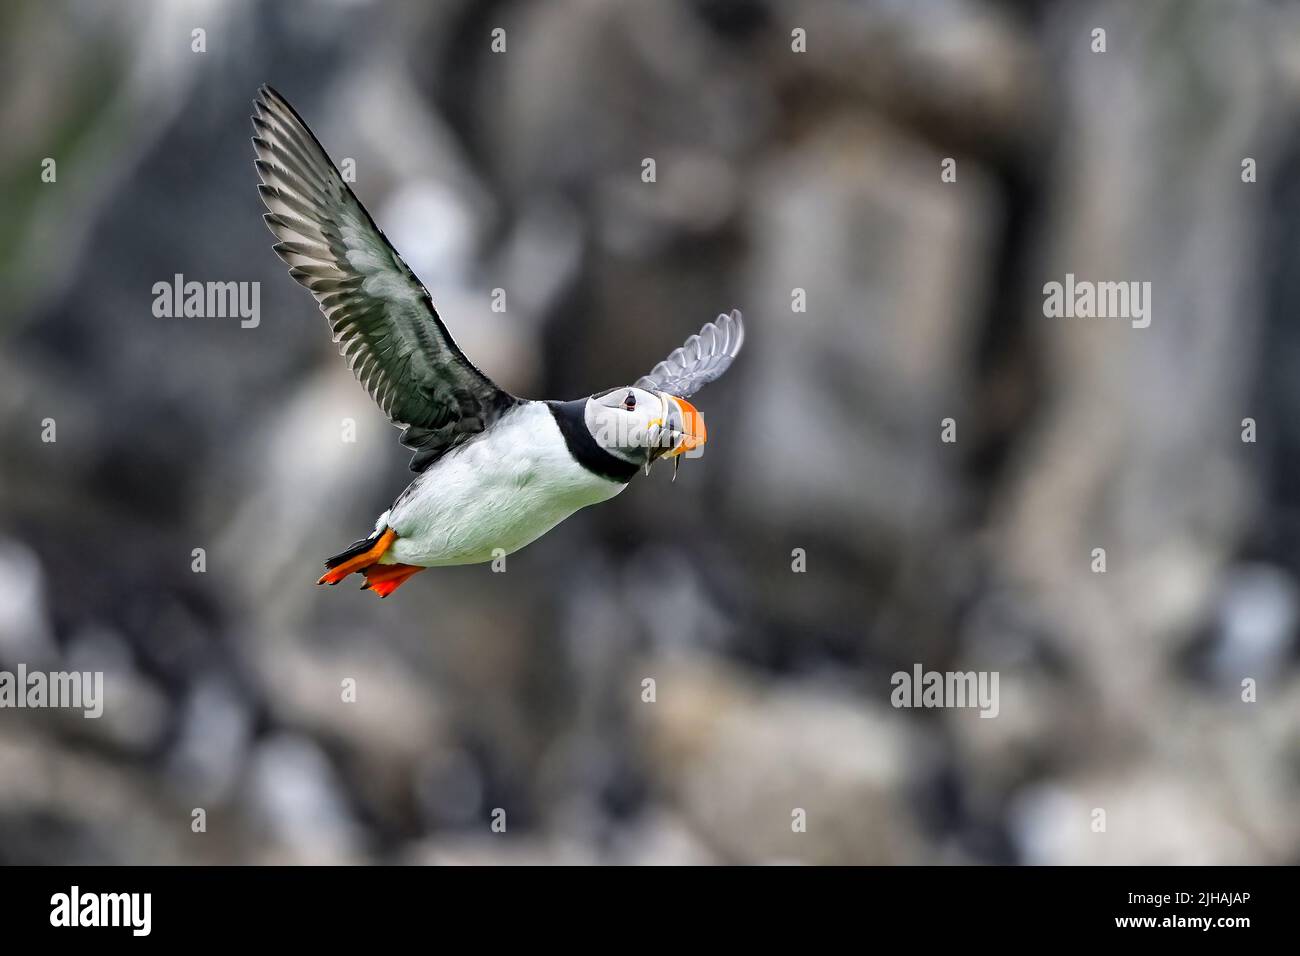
{"x":687,"y":425}
{"x":682,"y":431}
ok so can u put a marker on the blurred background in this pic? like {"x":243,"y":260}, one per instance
{"x":776,"y":171}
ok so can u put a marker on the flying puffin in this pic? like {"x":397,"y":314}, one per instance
{"x":493,"y":472}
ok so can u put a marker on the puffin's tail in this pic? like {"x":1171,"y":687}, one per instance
{"x":353,"y":550}
{"x":364,"y":556}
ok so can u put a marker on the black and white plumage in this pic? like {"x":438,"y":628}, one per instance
{"x":495,"y":471}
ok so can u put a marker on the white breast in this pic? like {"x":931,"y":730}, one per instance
{"x":501,"y":490}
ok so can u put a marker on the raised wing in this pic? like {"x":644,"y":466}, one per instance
{"x":701,"y":360}
{"x":381,"y":315}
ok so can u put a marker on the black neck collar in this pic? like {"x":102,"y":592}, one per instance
{"x":573,"y":426}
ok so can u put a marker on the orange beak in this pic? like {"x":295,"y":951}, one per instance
{"x":693,"y":432}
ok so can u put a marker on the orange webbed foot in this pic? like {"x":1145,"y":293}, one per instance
{"x":384,"y":579}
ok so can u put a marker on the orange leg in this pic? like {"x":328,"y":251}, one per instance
{"x":361,"y":561}
{"x":384,"y":579}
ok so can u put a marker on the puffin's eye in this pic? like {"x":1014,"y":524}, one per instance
{"x":630,"y":402}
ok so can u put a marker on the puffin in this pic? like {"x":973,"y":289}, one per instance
{"x":493,"y":472}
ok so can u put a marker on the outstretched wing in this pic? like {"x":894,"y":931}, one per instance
{"x":381,"y":315}
{"x":700,"y":361}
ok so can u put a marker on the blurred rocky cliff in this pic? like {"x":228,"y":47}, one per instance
{"x":781,"y":177}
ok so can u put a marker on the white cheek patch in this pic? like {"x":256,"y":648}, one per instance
{"x":614,"y":428}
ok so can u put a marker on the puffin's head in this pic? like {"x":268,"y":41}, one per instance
{"x":641,"y":426}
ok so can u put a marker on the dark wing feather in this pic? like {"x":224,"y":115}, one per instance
{"x":701,"y":360}
{"x":381,"y":315}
